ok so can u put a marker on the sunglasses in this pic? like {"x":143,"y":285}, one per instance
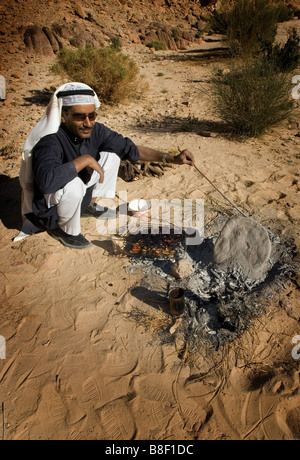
{"x":82,"y":116}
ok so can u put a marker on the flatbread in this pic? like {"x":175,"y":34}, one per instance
{"x":244,"y":243}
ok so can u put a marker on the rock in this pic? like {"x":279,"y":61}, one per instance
{"x":164,"y":36}
{"x":16,"y":75}
{"x":79,"y":11}
{"x":37,"y":41}
{"x":76,"y":34}
{"x":181,"y":269}
{"x":62,"y":31}
{"x":174,"y":38}
{"x":188,"y":36}
{"x":54,"y":42}
{"x":200,"y":26}
{"x":294,"y":212}
{"x":4,"y":29}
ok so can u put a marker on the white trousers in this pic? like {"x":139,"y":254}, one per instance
{"x":69,"y":199}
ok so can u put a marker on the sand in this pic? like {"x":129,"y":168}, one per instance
{"x":244,"y":243}
{"x":79,"y":364}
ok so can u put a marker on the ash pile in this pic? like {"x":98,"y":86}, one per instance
{"x":227,"y":280}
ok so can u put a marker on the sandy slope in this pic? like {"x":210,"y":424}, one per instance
{"x":78,"y":366}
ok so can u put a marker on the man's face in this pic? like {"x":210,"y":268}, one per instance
{"x":80,"y":120}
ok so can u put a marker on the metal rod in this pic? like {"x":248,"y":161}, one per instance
{"x":224,"y":196}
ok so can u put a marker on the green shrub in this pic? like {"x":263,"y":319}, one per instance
{"x":157,"y":45}
{"x":284,"y":12}
{"x":115,"y":43}
{"x":245,"y":23}
{"x":175,"y":35}
{"x":112,"y":74}
{"x":286,"y":58}
{"x":218,"y":20}
{"x":251,"y":97}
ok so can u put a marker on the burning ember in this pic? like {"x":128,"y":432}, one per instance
{"x":155,"y":245}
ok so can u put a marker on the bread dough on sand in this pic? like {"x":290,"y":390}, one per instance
{"x":244,"y":243}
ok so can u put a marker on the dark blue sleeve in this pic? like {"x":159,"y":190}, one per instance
{"x":50,"y":173}
{"x":111,"y":141}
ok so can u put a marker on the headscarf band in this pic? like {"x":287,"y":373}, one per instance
{"x":75,"y":92}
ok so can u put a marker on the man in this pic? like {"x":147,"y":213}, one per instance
{"x":75,"y":163}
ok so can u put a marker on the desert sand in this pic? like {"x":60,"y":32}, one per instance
{"x":79,"y":364}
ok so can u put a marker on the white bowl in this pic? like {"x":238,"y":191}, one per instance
{"x":139,"y":208}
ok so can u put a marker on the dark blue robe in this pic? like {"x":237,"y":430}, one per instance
{"x":53,"y":166}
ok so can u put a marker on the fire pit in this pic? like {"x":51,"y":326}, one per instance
{"x":219,"y":301}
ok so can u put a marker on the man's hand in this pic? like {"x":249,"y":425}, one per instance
{"x":184,"y":158}
{"x":88,"y":162}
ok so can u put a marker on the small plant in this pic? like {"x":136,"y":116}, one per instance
{"x":251,"y":97}
{"x":157,"y":45}
{"x":286,"y":58}
{"x":175,"y":35}
{"x":245,"y":23}
{"x":116,"y":43}
{"x":284,"y":12}
{"x":112,"y":74}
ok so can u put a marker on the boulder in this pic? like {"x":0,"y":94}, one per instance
{"x":167,"y":38}
{"x":79,"y":11}
{"x":54,"y":42}
{"x":37,"y":41}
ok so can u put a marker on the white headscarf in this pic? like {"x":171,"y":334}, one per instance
{"x":49,"y":124}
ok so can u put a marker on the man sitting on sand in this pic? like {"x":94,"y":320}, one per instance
{"x":70,"y":160}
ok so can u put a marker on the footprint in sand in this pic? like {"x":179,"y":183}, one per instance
{"x":49,"y":421}
{"x":119,"y":363}
{"x":267,"y":407}
{"x":121,"y":358}
{"x":156,"y":388}
{"x":251,"y":379}
{"x":155,"y":397}
{"x":288,"y":417}
{"x":117,"y":421}
{"x":92,"y":389}
{"x":87,"y":322}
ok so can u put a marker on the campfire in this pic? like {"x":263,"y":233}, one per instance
{"x":219,"y":301}
{"x":156,"y":246}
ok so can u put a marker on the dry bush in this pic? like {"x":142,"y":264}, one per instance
{"x":112,"y":74}
{"x":245,"y":23}
{"x":251,"y":97}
